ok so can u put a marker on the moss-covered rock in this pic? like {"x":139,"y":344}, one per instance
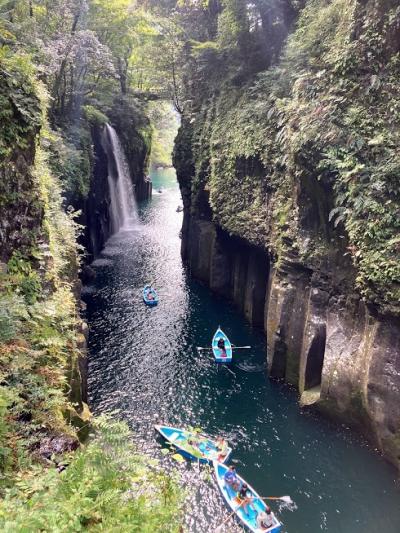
{"x":304,"y":158}
{"x":302,"y":161}
{"x":39,"y":343}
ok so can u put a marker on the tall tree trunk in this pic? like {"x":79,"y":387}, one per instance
{"x":61,"y":72}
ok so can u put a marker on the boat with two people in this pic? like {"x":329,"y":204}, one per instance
{"x":195,"y":446}
{"x":246,"y":504}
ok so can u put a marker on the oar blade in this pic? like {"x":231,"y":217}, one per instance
{"x":286,"y":499}
{"x":241,"y":347}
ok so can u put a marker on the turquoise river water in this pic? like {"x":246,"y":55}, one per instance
{"x":143,"y":362}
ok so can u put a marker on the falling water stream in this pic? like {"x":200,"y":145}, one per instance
{"x":143,"y":361}
{"x":123,"y":206}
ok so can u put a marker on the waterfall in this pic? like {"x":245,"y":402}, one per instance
{"x":123,"y":205}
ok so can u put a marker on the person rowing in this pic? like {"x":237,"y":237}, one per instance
{"x":221,"y":346}
{"x":150,"y":295}
{"x":222,"y":448}
{"x":245,"y":498}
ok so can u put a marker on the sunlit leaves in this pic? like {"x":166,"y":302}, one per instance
{"x":106,"y":486}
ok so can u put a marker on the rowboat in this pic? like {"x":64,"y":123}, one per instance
{"x":230,"y":496}
{"x":221,"y":356}
{"x":149,"y":295}
{"x":195,"y":446}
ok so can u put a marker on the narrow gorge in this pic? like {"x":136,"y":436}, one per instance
{"x":243,"y":158}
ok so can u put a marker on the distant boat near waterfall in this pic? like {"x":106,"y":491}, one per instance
{"x":150,"y":296}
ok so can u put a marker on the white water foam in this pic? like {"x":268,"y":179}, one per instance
{"x":123,"y":204}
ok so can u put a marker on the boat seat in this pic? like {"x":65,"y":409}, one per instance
{"x":174,"y":435}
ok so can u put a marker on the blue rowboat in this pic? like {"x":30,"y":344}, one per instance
{"x":149,"y":295}
{"x":195,"y":446}
{"x":230,"y":496}
{"x":221,"y":356}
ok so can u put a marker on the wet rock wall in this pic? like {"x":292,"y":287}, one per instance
{"x":343,"y":358}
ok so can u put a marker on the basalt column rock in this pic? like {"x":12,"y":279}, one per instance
{"x":361,"y":373}
{"x":202,"y":235}
{"x":383,"y":385}
{"x":284,"y":321}
{"x":314,"y":341}
{"x":97,"y":208}
{"x":255,"y":287}
{"x":221,"y":266}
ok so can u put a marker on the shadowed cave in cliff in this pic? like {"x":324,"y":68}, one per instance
{"x":315,"y":359}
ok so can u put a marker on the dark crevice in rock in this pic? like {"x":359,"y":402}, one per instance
{"x":315,"y":359}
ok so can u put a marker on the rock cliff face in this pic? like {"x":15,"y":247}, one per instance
{"x":280,"y":180}
{"x":42,"y":346}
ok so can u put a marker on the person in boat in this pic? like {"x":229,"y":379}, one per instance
{"x":221,"y":346}
{"x":222,"y":447}
{"x":149,"y":294}
{"x":264,"y":519}
{"x":245,"y":498}
{"x":231,"y":478}
{"x":193,"y":442}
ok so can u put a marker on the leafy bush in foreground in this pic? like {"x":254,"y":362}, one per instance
{"x":107,"y":486}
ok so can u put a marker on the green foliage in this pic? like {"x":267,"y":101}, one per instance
{"x":94,"y":116}
{"x":316,"y":134}
{"x":22,"y":278}
{"x":351,"y":131}
{"x":164,"y":123}
{"x":20,"y":113}
{"x":37,"y":310}
{"x":69,"y":157}
{"x":107,"y":486}
{"x":37,"y":346}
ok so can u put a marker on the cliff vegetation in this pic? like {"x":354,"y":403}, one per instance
{"x":63,"y":75}
{"x":315,"y":119}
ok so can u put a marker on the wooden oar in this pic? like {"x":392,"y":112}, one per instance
{"x":218,"y":529}
{"x":231,"y":371}
{"x":286,"y":499}
{"x":241,"y":347}
{"x":233,"y":347}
